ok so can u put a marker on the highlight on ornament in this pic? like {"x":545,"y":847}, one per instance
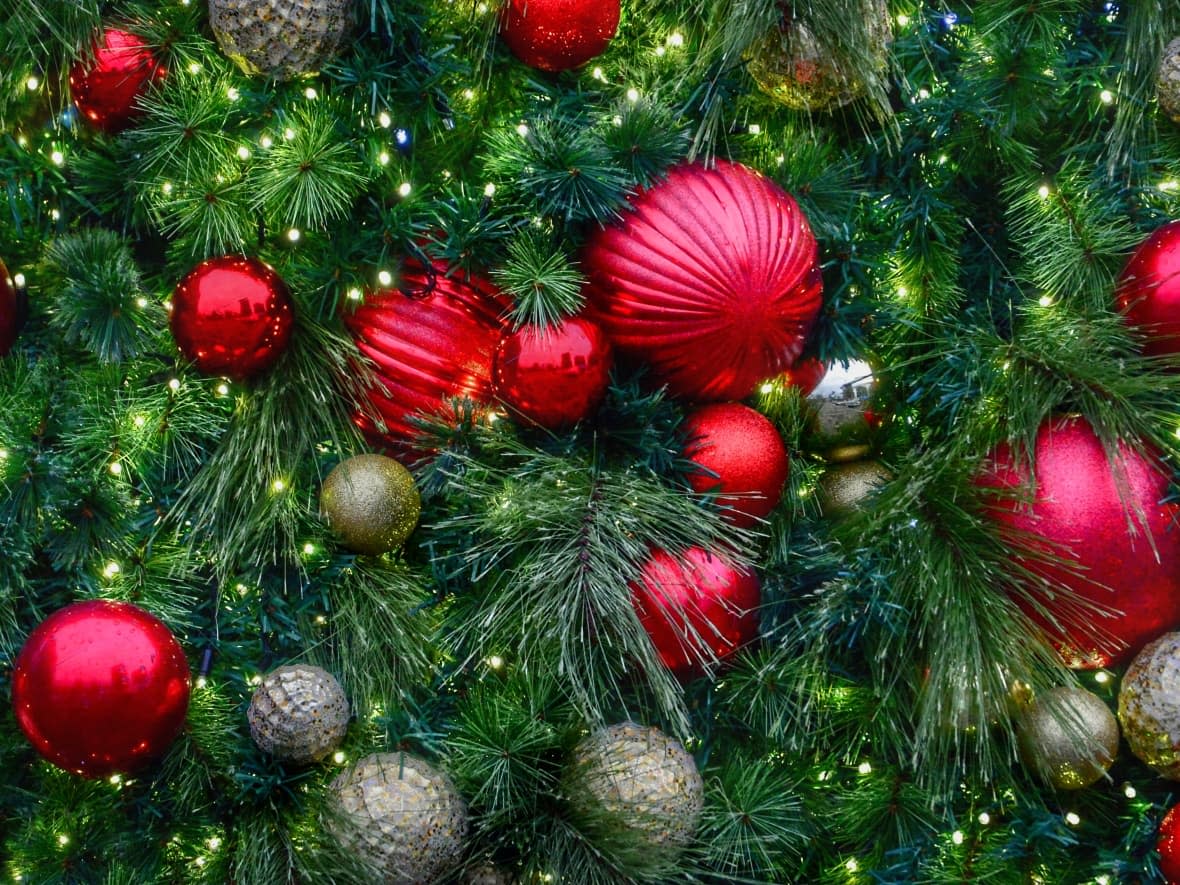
{"x":106,"y":89}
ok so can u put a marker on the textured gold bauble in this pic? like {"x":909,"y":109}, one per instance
{"x":1149,"y":705}
{"x":641,"y":778}
{"x":843,"y":488}
{"x":1069,"y":737}
{"x":298,"y":713}
{"x":402,"y":816}
{"x":370,"y":503}
{"x":280,"y":38}
{"x":1167,"y":81}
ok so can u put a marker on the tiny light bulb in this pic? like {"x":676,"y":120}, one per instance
{"x":310,"y":94}
{"x":1102,"y":677}
{"x":266,"y":141}
{"x":354,"y":294}
{"x":1045,"y":300}
{"x":309,"y":549}
{"x":384,"y":120}
{"x":174,"y":384}
{"x":63,"y":840}
{"x":675,"y":39}
{"x":495,"y":662}
{"x":984,"y":818}
{"x":194,"y":68}
{"x":385,"y":278}
{"x":338,"y":757}
{"x":278,"y":485}
{"x":852,"y":866}
{"x":32,"y":83}
{"x":1072,"y":819}
{"x":58,"y":158}
{"x":755,"y":129}
{"x":903,"y":20}
{"x":383,"y":158}
{"x":957,"y":837}
{"x":293,"y":235}
{"x":522,"y":130}
{"x":243,"y":152}
{"x":1107,"y":96}
{"x":288,"y":134}
{"x":767,"y":387}
{"x":632,"y":95}
{"x":1130,"y":792}
{"x":1043,"y":191}
{"x":865,"y":768}
{"x":223,"y":389}
{"x":233,"y":94}
{"x":489,"y":190}
{"x":116,"y":468}
{"x":404,"y":188}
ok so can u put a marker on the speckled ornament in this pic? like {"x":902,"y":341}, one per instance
{"x":1149,"y":705}
{"x":1168,"y":81}
{"x":642,"y":777}
{"x":299,"y":713}
{"x":280,"y":38}
{"x":843,"y":488}
{"x":1069,"y":737}
{"x":402,"y":816}
{"x":370,"y":503}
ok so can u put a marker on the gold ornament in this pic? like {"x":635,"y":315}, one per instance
{"x":402,"y":816}
{"x":1168,"y":81}
{"x":298,"y":713}
{"x":280,"y":38}
{"x":1069,"y":737}
{"x":843,"y":488}
{"x":370,"y":503}
{"x":641,"y":778}
{"x":1149,"y":705}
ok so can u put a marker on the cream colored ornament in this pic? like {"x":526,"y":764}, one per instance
{"x":1149,"y":705}
{"x":1168,"y":81}
{"x":298,"y":713}
{"x":280,"y":38}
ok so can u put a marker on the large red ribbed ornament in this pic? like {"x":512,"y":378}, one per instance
{"x":1168,"y":846}
{"x":1079,"y":513}
{"x":10,"y":311}
{"x":100,"y":687}
{"x":105,"y":89}
{"x":555,"y":376}
{"x":427,"y":349}
{"x":1149,"y":290}
{"x":556,"y":35}
{"x":696,"y":608}
{"x":713,"y":279}
{"x":743,"y":459}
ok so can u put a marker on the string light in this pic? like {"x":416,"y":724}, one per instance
{"x":338,"y":757}
{"x":354,"y":294}
{"x":310,"y":94}
{"x":223,"y":389}
{"x":957,"y":837}
{"x":522,"y":130}
{"x":865,"y":768}
{"x":1045,"y":300}
{"x":243,"y":152}
{"x":141,"y":302}
{"x":194,"y":68}
{"x":277,"y":486}
{"x":1129,"y":791}
{"x":383,"y":158}
{"x":233,"y":94}
{"x":111,"y":569}
{"x":852,"y":866}
{"x":32,"y":83}
{"x":495,"y":662}
{"x":288,"y":134}
{"x":1072,"y":819}
{"x":384,"y":120}
{"x":469,"y":94}
{"x":767,"y":387}
{"x":116,"y":779}
{"x":404,"y":188}
{"x":755,"y":129}
{"x":58,"y":158}
{"x":984,"y":818}
{"x":174,"y":385}
{"x":202,"y":682}
{"x":489,"y":190}
{"x":632,"y":95}
{"x":63,"y":840}
{"x":266,"y":141}
{"x":1106,"y":96}
{"x":597,"y":74}
{"x":308,"y":549}
{"x":903,"y":20}
{"x":116,"y":468}
{"x":1043,"y":192}
{"x":214,"y":843}
{"x":385,"y":278}
{"x":1102,"y":677}
{"x":676,"y":39}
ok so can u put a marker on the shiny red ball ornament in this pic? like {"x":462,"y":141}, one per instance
{"x":556,"y":35}
{"x":101,"y":687}
{"x":697,"y":608}
{"x":805,"y":375}
{"x":427,"y":348}
{"x":554,"y":376}
{"x":1149,"y":290}
{"x":105,"y":88}
{"x":11,"y":311}
{"x":232,"y":316}
{"x":742,"y":458}
{"x":1078,"y":515}
{"x":1168,"y":846}
{"x":713,"y":279}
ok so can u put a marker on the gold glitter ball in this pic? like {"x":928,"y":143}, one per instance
{"x":298,"y":713}
{"x":843,"y":488}
{"x":280,"y":38}
{"x":402,"y":816}
{"x":1149,"y":705}
{"x":1069,"y":737}
{"x":370,"y":503}
{"x":1167,"y":81}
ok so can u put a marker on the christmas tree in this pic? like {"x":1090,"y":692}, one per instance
{"x":557,"y":441}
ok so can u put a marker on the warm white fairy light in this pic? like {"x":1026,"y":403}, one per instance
{"x":166,"y":187}
{"x":214,"y":842}
{"x":755,"y":129}
{"x":851,"y":865}
{"x":278,"y":486}
{"x":903,"y":20}
{"x":199,"y":861}
{"x":3,"y":454}
{"x":1106,"y":96}
{"x":115,"y":468}
{"x":223,"y":389}
{"x":310,"y":94}
{"x":174,"y":385}
{"x":354,"y":294}
{"x":308,"y":549}
{"x":111,"y":569}
{"x":1129,"y":791}
{"x":957,"y":837}
{"x":55,"y":214}
{"x":676,"y":39}
{"x":232,"y":93}
{"x":116,"y":779}
{"x":18,"y":280}
{"x":495,"y":662}
{"x":1102,"y":677}
{"x":632,"y":95}
{"x":63,"y":840}
{"x":288,"y":133}
{"x":194,"y":68}
{"x":865,"y":768}
{"x":243,"y":152}
{"x":1169,"y":185}
{"x":202,"y":682}
{"x":766,"y":388}
{"x":1043,"y":191}
{"x":489,"y":190}
{"x":385,"y":278}
{"x":522,"y":130}
{"x":294,"y":234}
{"x":984,"y":818}
{"x":32,"y":83}
{"x":405,"y":188}
{"x":384,"y":120}
{"x":597,"y":74}
{"x":383,"y":158}
{"x":338,"y":757}
{"x":1045,"y":300}
{"x":1072,"y":819}
{"x":266,"y":141}
{"x":58,"y":158}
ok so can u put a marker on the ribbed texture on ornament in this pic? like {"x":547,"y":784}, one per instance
{"x":712,"y":279}
{"x":298,"y":713}
{"x":1149,"y":705}
{"x":280,"y":38}
{"x":402,"y":816}
{"x":1168,"y":81}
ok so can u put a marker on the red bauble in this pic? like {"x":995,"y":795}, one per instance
{"x":697,"y":608}
{"x":713,"y":279}
{"x":1168,"y":846}
{"x":805,"y":375}
{"x":554,"y":376}
{"x":556,"y":35}
{"x":105,"y":90}
{"x":430,"y":349}
{"x":10,"y":311}
{"x":100,"y":687}
{"x":1080,"y":515}
{"x":1149,"y":290}
{"x":744,"y":456}
{"x":232,"y":316}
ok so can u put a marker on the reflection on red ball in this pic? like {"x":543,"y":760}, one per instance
{"x":232,"y":316}
{"x":1168,"y":845}
{"x":556,"y":35}
{"x":105,"y":90}
{"x":1149,"y":290}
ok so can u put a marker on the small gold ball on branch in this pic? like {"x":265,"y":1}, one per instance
{"x":370,"y":503}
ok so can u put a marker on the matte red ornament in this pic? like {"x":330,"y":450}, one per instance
{"x":713,"y":279}
{"x":743,"y":460}
{"x":101,"y":687}
{"x":556,"y":35}
{"x":554,"y":376}
{"x":805,"y":375}
{"x":1079,"y":515}
{"x":697,"y":608}
{"x":1168,"y":845}
{"x":1149,"y":290}
{"x":232,"y":316}
{"x":105,"y":89}
{"x":10,"y":311}
{"x":427,"y":349}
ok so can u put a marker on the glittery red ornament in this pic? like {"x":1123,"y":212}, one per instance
{"x":1168,"y":845}
{"x":1081,"y":517}
{"x":10,"y":311}
{"x":232,"y":316}
{"x":1149,"y":290}
{"x":100,"y":687}
{"x":105,"y":89}
{"x":553,"y":376}
{"x":743,"y":460}
{"x":713,"y":279}
{"x":805,"y":375}
{"x":429,"y":348}
{"x":556,"y":35}
{"x":697,"y":608}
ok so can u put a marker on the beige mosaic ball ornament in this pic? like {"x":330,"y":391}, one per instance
{"x":280,"y":38}
{"x":642,"y":777}
{"x":1149,"y":705}
{"x":1168,"y":81}
{"x":402,"y":816}
{"x":1069,"y":737}
{"x":299,"y":713}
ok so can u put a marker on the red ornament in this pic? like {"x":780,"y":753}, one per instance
{"x":743,"y":457}
{"x":1168,"y":846}
{"x":106,"y":90}
{"x":805,"y":375}
{"x":696,"y":609}
{"x":1080,"y":514}
{"x":555,"y":376}
{"x":713,"y":279}
{"x":100,"y":687}
{"x":10,"y":311}
{"x":429,"y":349}
{"x":232,"y":316}
{"x":556,"y":35}
{"x":1149,"y":290}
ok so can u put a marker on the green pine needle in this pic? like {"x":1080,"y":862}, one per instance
{"x":541,"y":279}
